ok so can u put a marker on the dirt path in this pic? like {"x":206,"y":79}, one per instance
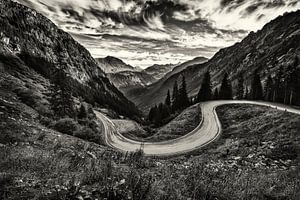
{"x":207,"y":131}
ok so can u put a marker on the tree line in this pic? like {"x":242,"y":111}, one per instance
{"x":281,"y":87}
{"x":179,"y":100}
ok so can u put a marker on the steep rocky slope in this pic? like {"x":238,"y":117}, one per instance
{"x":32,"y":47}
{"x":275,"y":45}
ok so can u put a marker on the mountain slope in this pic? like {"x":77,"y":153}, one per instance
{"x":32,"y":46}
{"x":183,"y":66}
{"x":159,"y":71}
{"x":275,"y":45}
{"x":111,"y":64}
{"x":126,"y":80}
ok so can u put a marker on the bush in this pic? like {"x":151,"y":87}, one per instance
{"x":82,"y":112}
{"x":11,"y":133}
{"x":44,"y":110}
{"x":46,"y":121}
{"x":66,"y":125}
{"x":28,"y":96}
{"x":88,"y":134}
{"x":90,"y":124}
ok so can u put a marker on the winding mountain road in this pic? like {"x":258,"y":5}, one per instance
{"x":207,"y":131}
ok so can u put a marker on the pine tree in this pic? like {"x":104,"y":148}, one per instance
{"x":156,"y":119}
{"x":292,"y":94}
{"x":164,"y":111}
{"x":168,"y":99}
{"x":246,"y":95}
{"x":151,"y":114}
{"x":175,"y":97}
{"x":268,"y":89}
{"x":205,"y":92}
{"x":82,"y":114}
{"x":277,"y":90}
{"x":61,"y":91}
{"x":240,"y":89}
{"x":294,"y":98}
{"x":226,"y":88}
{"x":61,"y":94}
{"x":159,"y":114}
{"x":183,"y":96}
{"x":216,"y":94}
{"x":256,"y":87}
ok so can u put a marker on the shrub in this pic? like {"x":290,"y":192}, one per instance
{"x":66,"y":125}
{"x":44,"y":110}
{"x":88,"y":134}
{"x":46,"y":121}
{"x":82,"y":112}
{"x":91,"y":114}
{"x":11,"y":133}
{"x":28,"y":96}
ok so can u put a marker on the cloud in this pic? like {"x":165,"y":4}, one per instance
{"x":144,"y":32}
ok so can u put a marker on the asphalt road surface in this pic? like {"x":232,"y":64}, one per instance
{"x":207,"y":131}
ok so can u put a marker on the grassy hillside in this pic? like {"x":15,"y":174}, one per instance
{"x":262,"y":162}
{"x":181,"y":125}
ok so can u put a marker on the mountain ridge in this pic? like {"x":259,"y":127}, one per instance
{"x":110,"y":64}
{"x":158,"y":71}
{"x":275,"y":45}
{"x":36,"y":44}
{"x":128,"y":79}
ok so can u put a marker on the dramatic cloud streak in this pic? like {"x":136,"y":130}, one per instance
{"x":145,"y":32}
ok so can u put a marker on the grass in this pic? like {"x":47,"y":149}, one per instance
{"x":130,"y":129}
{"x":181,"y":125}
{"x":185,"y":122}
{"x":256,"y":157}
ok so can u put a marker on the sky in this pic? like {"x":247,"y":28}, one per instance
{"x":143,"y":32}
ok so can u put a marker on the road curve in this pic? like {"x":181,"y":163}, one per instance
{"x":207,"y":131}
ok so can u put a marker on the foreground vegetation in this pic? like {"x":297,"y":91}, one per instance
{"x":255,"y":158}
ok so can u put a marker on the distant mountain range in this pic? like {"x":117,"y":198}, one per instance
{"x":32,"y":47}
{"x":127,"y":78}
{"x":159,"y":71}
{"x":275,"y":45}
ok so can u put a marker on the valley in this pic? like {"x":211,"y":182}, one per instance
{"x":266,"y":50}
{"x":206,"y":132}
{"x":77,"y":125}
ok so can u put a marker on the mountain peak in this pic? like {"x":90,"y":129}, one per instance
{"x":111,"y":64}
{"x":111,"y":58}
